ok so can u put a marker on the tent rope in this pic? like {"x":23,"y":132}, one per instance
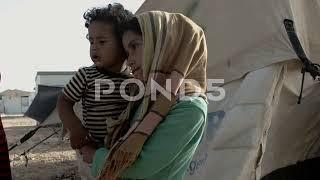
{"x":312,"y":68}
{"x":35,"y":145}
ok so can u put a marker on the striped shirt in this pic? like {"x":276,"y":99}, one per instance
{"x":89,"y":85}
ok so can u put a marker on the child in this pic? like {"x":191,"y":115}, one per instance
{"x":108,"y":56}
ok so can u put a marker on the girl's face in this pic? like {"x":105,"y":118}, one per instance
{"x":133,"y":44}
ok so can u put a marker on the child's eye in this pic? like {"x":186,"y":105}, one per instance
{"x":91,"y":42}
{"x":102,"y":42}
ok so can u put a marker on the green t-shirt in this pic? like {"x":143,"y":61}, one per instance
{"x":169,"y":150}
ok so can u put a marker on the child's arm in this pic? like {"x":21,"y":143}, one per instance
{"x":71,"y":122}
{"x":71,"y":94}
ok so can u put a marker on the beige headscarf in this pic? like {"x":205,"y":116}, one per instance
{"x":172,"y":42}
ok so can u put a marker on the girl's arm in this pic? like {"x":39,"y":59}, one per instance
{"x":161,"y":106}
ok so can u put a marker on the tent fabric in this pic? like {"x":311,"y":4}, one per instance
{"x":294,"y":132}
{"x":258,"y":127}
{"x":53,"y":117}
{"x":234,"y":142}
{"x":44,"y":103}
{"x":243,"y":36}
{"x":43,"y":108}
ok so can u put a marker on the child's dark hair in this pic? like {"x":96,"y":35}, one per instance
{"x":113,"y":13}
{"x":131,"y":24}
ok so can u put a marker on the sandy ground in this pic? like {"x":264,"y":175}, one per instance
{"x":52,"y":159}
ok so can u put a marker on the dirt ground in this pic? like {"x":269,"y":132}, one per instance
{"x":51,"y":160}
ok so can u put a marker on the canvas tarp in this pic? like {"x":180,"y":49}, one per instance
{"x":258,"y":127}
{"x":246,"y":35}
{"x":43,"y":108}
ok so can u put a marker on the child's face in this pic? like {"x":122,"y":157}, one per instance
{"x":105,"y":50}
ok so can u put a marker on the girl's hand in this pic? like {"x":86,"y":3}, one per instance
{"x":125,"y":155}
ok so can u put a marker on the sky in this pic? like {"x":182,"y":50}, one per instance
{"x":44,"y":35}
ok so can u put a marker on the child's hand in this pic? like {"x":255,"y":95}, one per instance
{"x":87,"y":153}
{"x":78,"y":137}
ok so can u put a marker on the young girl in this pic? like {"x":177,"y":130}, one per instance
{"x":165,"y":131}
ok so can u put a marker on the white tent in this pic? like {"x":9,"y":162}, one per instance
{"x":258,"y":127}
